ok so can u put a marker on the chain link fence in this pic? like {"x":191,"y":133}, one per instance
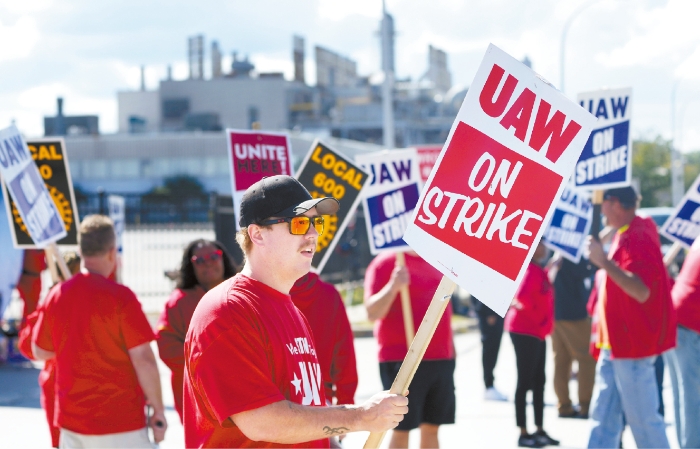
{"x":156,"y":234}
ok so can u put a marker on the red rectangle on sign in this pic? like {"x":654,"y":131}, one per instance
{"x":427,"y":156}
{"x":256,"y":156}
{"x":487,"y":201}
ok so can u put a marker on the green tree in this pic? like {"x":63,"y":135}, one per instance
{"x":691,"y":168}
{"x":651,"y":162}
{"x":177,"y":190}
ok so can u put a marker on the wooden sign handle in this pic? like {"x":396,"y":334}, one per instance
{"x":65,"y":272}
{"x":51,"y":262}
{"x":440,"y":301}
{"x":672,"y":253}
{"x":597,"y":200}
{"x":406,"y":304}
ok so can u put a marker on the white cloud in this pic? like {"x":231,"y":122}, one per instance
{"x":338,"y":10}
{"x":689,"y":69}
{"x":661,"y":35}
{"x":25,"y":6}
{"x":18,"y":40}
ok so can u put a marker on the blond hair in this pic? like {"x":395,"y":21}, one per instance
{"x":96,"y":235}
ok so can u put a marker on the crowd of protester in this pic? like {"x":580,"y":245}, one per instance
{"x":262,"y":354}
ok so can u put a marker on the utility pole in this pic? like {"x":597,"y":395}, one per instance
{"x":387,"y":33}
{"x":677,"y":175}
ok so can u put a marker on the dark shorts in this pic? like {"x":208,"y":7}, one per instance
{"x":431,"y":395}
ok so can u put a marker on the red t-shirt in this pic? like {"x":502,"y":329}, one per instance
{"x":171,"y":331}
{"x":323,"y":307}
{"x":639,"y":330}
{"x":47,"y":376}
{"x":535,"y":294}
{"x":90,"y":323}
{"x":390,"y":333}
{"x":686,"y":292}
{"x":29,"y":285}
{"x":247,"y":346}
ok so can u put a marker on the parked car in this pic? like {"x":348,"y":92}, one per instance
{"x":660,"y":215}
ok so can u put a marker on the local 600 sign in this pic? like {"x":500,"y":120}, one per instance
{"x":326,"y":172}
{"x":606,"y":160}
{"x":514,"y":143}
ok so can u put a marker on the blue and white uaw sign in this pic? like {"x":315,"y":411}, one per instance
{"x":390,"y":197}
{"x":571,"y":223}
{"x":606,"y":160}
{"x":683,"y":226}
{"x":22,"y":178}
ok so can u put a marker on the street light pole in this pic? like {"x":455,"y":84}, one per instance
{"x":388,"y":85}
{"x":562,"y":49}
{"x":677,"y":176}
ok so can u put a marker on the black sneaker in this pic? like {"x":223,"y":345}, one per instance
{"x":544,"y":439}
{"x":529,"y":441}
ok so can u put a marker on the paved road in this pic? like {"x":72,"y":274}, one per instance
{"x":480,"y":424}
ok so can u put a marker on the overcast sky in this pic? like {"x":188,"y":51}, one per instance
{"x":86,"y":50}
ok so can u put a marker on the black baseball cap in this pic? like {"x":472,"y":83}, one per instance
{"x":281,"y":196}
{"x":627,"y":196}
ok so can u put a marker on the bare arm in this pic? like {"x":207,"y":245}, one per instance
{"x":378,"y":304}
{"x":629,"y":282}
{"x":144,"y":363}
{"x":285,"y":422}
{"x":42,"y":354}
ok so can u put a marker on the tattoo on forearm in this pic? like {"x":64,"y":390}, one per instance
{"x":335,"y":430}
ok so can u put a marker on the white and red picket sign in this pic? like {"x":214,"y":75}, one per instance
{"x":254,"y":155}
{"x":510,"y":151}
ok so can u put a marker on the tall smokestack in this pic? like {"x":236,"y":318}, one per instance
{"x":387,"y":29}
{"x":143,"y":78}
{"x":59,"y":123}
{"x":215,"y":60}
{"x":298,"y":55}
{"x":196,"y":56}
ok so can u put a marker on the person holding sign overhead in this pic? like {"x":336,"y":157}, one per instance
{"x":252,"y":375}
{"x":636,"y":323}
{"x":432,"y":390}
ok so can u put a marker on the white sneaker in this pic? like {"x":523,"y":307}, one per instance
{"x":491,"y":394}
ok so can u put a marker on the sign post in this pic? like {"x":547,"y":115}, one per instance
{"x":683,"y":225}
{"x":254,"y":155}
{"x":28,"y":191}
{"x":571,"y":223}
{"x":326,"y":172}
{"x":51,"y":159}
{"x":30,"y":195}
{"x":389,"y":202}
{"x":116,"y":205}
{"x":484,"y":208}
{"x":606,"y":160}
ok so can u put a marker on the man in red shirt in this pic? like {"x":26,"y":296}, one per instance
{"x":252,"y":376}
{"x":100,"y":339}
{"x":323,"y":308}
{"x":684,"y":361}
{"x":432,"y":389}
{"x":636,"y":323}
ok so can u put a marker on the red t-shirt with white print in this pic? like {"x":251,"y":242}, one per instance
{"x":247,"y":346}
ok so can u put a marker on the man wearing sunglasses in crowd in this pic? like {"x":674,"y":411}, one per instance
{"x":252,"y":376}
